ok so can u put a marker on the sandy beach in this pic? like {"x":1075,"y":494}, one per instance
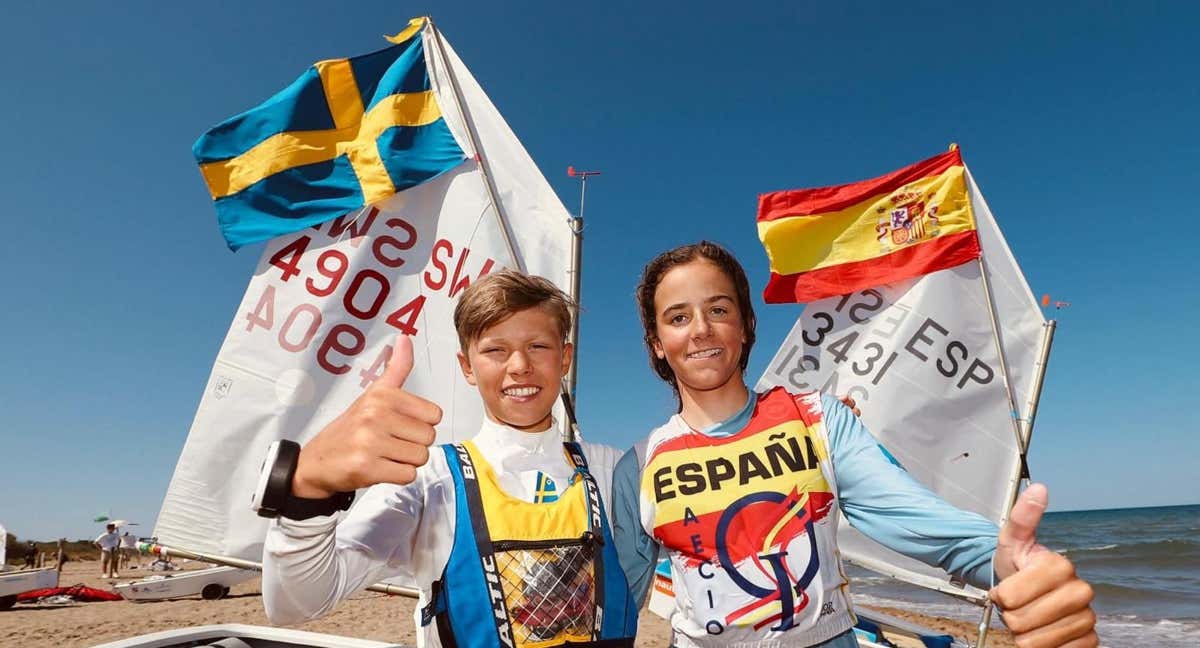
{"x":366,"y":615}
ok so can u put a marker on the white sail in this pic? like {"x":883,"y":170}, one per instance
{"x":324,"y":305}
{"x":921,"y":358}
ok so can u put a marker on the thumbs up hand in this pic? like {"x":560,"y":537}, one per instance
{"x":383,"y":437}
{"x":1041,"y":598}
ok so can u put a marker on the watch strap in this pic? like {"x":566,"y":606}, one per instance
{"x":300,"y":508}
{"x":277,"y":498}
{"x":278,"y":487}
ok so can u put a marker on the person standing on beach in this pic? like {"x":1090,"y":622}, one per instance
{"x":109,"y":543}
{"x":129,"y":550}
{"x":743,"y":490}
{"x":506,"y":535}
{"x":31,"y":555}
{"x":61,"y":555}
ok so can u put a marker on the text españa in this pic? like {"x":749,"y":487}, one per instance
{"x":780,"y":456}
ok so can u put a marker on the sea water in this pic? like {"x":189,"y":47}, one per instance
{"x":1143,"y":563}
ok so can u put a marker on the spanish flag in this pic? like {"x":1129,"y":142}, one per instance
{"x":348,"y":133}
{"x":835,"y":240}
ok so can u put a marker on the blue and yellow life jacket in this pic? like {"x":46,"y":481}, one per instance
{"x":529,"y":575}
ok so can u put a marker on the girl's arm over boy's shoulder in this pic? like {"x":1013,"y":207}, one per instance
{"x":885,"y":503}
{"x":635,"y":548}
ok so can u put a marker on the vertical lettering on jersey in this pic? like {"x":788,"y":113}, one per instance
{"x":464,"y":460}
{"x":483,"y":543}
{"x":496,"y":596}
{"x":596,"y":527}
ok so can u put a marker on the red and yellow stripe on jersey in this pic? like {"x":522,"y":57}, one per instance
{"x":835,"y":240}
{"x":744,"y":494}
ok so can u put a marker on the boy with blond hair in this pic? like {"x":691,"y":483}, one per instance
{"x":505,"y":535}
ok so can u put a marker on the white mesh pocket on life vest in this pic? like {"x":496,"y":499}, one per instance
{"x":549,"y":592}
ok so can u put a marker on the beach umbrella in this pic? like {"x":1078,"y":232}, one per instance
{"x":100,"y":518}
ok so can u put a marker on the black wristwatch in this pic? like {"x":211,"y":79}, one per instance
{"x":273,"y":496}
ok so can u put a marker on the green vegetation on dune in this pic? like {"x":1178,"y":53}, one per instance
{"x":76,"y":550}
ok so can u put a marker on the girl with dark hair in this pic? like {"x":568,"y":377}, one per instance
{"x":744,"y":491}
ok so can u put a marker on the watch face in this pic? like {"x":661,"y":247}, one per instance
{"x":264,"y":479}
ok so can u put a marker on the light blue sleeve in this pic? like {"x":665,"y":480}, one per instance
{"x":882,"y":501}
{"x":636,"y":550}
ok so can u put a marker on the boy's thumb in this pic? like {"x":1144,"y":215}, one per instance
{"x":400,"y":364}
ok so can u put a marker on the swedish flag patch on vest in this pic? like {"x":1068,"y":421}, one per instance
{"x":544,"y":489}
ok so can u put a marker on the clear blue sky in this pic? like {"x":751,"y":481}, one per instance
{"x":1078,"y":122}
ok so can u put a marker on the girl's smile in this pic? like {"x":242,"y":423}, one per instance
{"x":700,"y":334}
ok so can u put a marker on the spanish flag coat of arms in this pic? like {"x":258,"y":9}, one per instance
{"x":835,"y":240}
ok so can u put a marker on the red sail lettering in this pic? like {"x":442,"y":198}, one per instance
{"x":381,"y":243}
{"x":447,"y":249}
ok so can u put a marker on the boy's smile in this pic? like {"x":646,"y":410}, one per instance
{"x":518,"y":365}
{"x":521,"y":393}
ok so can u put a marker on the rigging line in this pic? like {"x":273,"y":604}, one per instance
{"x":489,"y":183}
{"x":1015,"y":480}
{"x":1014,"y":414}
{"x":353,"y":221}
{"x":473,"y":140}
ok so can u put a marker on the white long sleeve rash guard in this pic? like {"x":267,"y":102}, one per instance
{"x":406,"y":532}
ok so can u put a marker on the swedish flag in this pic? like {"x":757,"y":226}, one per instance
{"x":347,"y":133}
{"x":544,"y":490}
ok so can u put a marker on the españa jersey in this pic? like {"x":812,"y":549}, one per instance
{"x":749,"y":522}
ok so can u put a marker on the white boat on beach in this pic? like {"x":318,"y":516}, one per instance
{"x":879,"y":630}
{"x":233,"y":635}
{"x":16,"y":582}
{"x":209,"y":584}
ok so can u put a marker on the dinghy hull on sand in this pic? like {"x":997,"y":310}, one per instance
{"x":233,"y":635}
{"x":876,"y":630}
{"x":13,"y":583}
{"x":210,"y":584}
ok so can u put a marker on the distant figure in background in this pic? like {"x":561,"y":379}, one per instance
{"x":31,"y":555}
{"x":108,"y":542}
{"x":129,"y":550}
{"x":61,"y":556}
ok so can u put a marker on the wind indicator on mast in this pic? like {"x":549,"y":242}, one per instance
{"x":576,"y":223}
{"x":1058,"y":305}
